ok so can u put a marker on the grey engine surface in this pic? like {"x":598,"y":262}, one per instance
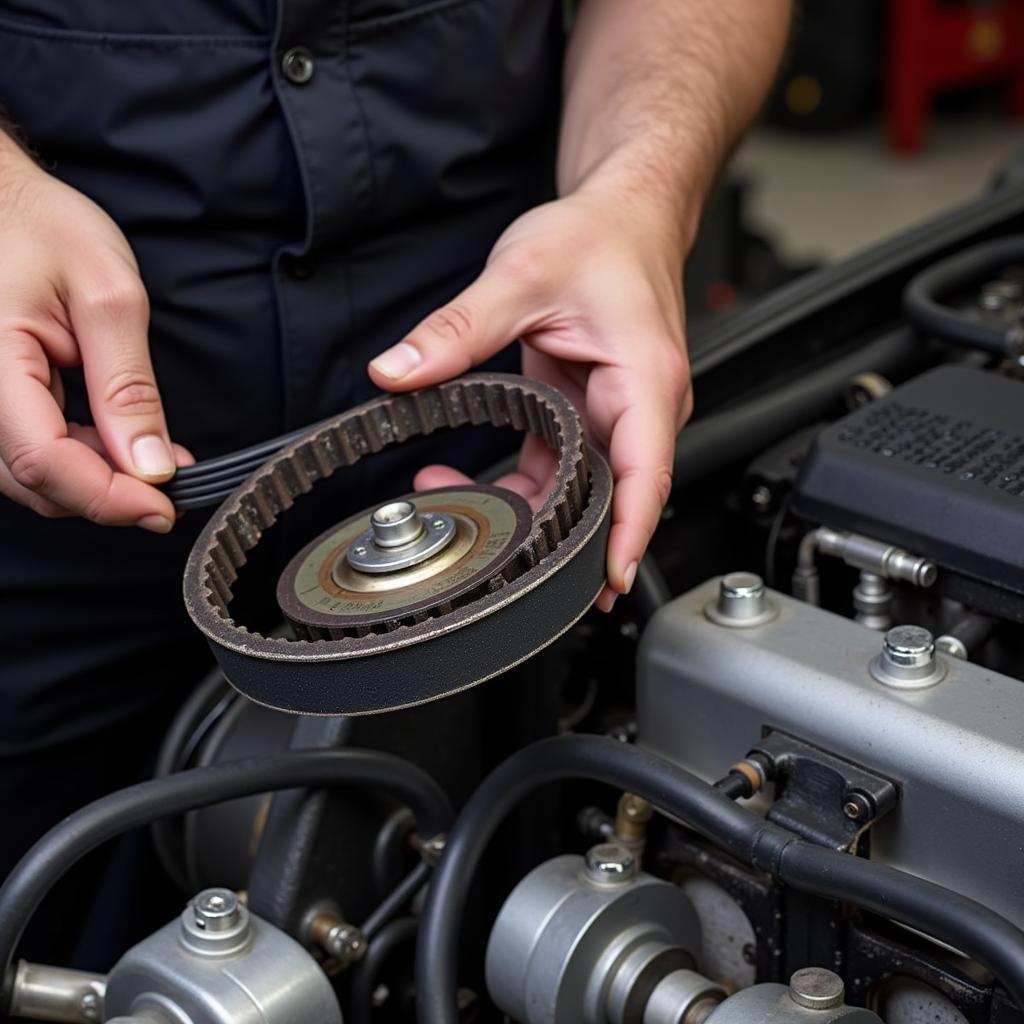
{"x":708,"y":692}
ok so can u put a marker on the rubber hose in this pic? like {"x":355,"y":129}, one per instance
{"x":61,"y":847}
{"x":204,"y":699}
{"x":740,"y":431}
{"x":396,"y":901}
{"x":975,"y":930}
{"x":922,"y":308}
{"x":596,"y":758}
{"x":366,"y":972}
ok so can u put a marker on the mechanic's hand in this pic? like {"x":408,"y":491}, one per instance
{"x":595,"y":295}
{"x":70,"y":294}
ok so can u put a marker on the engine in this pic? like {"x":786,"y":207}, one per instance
{"x":779,"y":785}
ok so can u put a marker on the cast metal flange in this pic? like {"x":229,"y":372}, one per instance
{"x":459,"y":615}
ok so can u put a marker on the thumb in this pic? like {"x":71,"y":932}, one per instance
{"x":110,"y":320}
{"x":477,"y":323}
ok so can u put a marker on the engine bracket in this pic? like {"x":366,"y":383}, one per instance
{"x":822,"y":798}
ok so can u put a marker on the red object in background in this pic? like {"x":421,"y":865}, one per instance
{"x":937,"y":45}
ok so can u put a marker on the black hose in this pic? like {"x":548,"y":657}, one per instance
{"x":974,"y":929}
{"x":205,"y":702}
{"x":61,"y":847}
{"x":396,"y":901}
{"x":923,"y":309}
{"x":961,"y":922}
{"x":366,"y":972}
{"x":741,"y":430}
{"x":595,"y":758}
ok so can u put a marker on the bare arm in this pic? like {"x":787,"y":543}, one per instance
{"x":657,"y":91}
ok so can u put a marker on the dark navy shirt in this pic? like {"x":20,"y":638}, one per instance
{"x":301,"y":182}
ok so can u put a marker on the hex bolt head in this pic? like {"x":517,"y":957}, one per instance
{"x":610,"y":864}
{"x":816,"y":988}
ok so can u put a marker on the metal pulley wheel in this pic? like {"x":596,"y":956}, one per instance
{"x":425,"y":595}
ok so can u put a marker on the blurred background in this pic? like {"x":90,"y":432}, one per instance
{"x":886,"y":112}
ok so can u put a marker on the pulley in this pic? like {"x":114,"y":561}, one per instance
{"x":424,"y":595}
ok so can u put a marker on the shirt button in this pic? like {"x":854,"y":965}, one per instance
{"x":297,"y":65}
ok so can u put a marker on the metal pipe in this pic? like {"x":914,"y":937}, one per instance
{"x":865,"y":553}
{"x":57,"y":994}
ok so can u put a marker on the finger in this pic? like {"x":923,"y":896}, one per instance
{"x":57,"y":387}
{"x":182,"y":456}
{"x":38,"y":504}
{"x":480,"y":321}
{"x":641,"y":457}
{"x":110,"y":318}
{"x":430,"y":477}
{"x":90,"y":436}
{"x":606,"y":599}
{"x":42,"y":458}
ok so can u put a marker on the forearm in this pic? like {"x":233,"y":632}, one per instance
{"x":658,"y":91}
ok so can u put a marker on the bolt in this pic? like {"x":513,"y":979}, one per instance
{"x":742,"y":586}
{"x":360,"y":550}
{"x":908,"y":659}
{"x":216,"y":910}
{"x":438,"y":524}
{"x":610,"y":864}
{"x":395,"y":524}
{"x":430,"y":849}
{"x":89,"y":1006}
{"x":761,"y":496}
{"x":749,"y":953}
{"x":857,"y":806}
{"x":635,"y":807}
{"x":741,"y":601}
{"x":909,"y":647}
{"x":345,"y":942}
{"x":816,"y":989}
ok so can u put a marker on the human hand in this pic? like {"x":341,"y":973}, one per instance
{"x":70,"y":294}
{"x":593,"y":290}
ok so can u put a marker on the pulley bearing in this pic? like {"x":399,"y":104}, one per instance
{"x":426,"y":595}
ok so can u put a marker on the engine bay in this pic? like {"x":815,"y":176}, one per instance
{"x":777,"y":783}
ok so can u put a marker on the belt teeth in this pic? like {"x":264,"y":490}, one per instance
{"x":496,"y":399}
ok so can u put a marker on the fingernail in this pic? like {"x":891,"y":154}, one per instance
{"x":398,"y":361}
{"x":629,"y":576}
{"x":155,"y":524}
{"x":151,"y":456}
{"x":606,"y":601}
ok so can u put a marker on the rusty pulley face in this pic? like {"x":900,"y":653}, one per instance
{"x":426,"y":594}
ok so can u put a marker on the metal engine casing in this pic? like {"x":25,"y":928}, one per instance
{"x":251,"y":974}
{"x":707,"y":693}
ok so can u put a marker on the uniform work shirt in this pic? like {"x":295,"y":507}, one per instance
{"x":301,"y":182}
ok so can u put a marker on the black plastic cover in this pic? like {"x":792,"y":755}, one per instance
{"x":937,"y":467}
